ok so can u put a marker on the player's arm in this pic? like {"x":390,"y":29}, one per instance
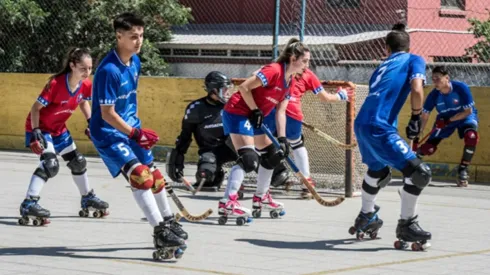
{"x":246,"y":91}
{"x":189,"y":125}
{"x":35,"y":114}
{"x":42,"y":101}
{"x":110,"y":116}
{"x":429,"y":105}
{"x":417,"y":78}
{"x":86,"y":109}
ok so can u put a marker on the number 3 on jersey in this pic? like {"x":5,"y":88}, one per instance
{"x":381,"y":71}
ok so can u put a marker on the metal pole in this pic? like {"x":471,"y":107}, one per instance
{"x":275,"y":39}
{"x":303,"y":16}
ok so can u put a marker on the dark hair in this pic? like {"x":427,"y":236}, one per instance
{"x":441,"y":70}
{"x":293,"y":48}
{"x":398,"y":40}
{"x":126,"y":21}
{"x":75,"y":56}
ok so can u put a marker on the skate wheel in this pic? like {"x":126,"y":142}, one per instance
{"x":46,"y":221}
{"x":274,"y":214}
{"x":256,"y":214}
{"x":240,"y":221}
{"x":156,"y":256}
{"x":167,"y":255}
{"x":222,"y":220}
{"x":240,"y":195}
{"x":23,"y":221}
{"x":373,"y":236}
{"x":36,"y":222}
{"x":360,"y":235}
{"x":96,"y":214}
{"x":400,"y":245}
{"x":417,"y":247}
{"x":352,"y":230}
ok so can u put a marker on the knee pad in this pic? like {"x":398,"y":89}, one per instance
{"x":471,"y":138}
{"x":296,"y":144}
{"x":270,"y":158}
{"x":206,"y":167}
{"x":158,"y":179}
{"x":50,"y":164}
{"x":141,"y":177}
{"x":76,"y":162}
{"x":248,"y":159}
{"x":383,"y":176}
{"x":280,"y":175}
{"x":418,"y":172}
{"x":427,"y":149}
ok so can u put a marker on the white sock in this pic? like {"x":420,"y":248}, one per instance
{"x":162,"y":202}
{"x":409,"y":202}
{"x":302,"y":161}
{"x":237,"y":174}
{"x":368,"y":200}
{"x":35,"y":186}
{"x":81,"y":181}
{"x":263,"y":181}
{"x":146,"y":201}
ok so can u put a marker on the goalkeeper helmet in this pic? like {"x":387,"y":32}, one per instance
{"x":219,"y":84}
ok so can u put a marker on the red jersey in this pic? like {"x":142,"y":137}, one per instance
{"x":308,"y":81}
{"x":59,"y":103}
{"x":274,"y":90}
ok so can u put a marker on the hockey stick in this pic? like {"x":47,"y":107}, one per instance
{"x":188,"y":185}
{"x":302,"y":177}
{"x":185,"y":213}
{"x":415,"y":145}
{"x":329,"y":138}
{"x":201,"y":183}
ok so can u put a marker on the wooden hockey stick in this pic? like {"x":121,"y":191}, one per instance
{"x":185,"y":214}
{"x":328,"y":138}
{"x":188,"y":185}
{"x":201,"y":183}
{"x":302,"y":177}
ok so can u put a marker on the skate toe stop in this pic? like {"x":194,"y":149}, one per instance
{"x":282,"y":213}
{"x":249,"y":220}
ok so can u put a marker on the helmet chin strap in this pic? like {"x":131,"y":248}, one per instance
{"x":220,"y":99}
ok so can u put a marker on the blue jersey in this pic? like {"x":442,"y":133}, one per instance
{"x":115,"y":85}
{"x":448,"y":105}
{"x":389,"y":87}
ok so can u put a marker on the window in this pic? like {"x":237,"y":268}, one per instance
{"x":344,"y":4}
{"x":453,"y":4}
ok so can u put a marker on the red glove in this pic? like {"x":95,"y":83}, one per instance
{"x":442,"y":122}
{"x":38,"y":141}
{"x":145,"y":138}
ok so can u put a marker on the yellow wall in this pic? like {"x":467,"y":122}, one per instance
{"x":162,"y":105}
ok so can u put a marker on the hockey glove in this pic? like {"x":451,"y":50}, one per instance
{"x":284,"y":144}
{"x":145,"y":138}
{"x":344,"y":94}
{"x":442,"y":122}
{"x":87,"y":130}
{"x":413,"y":127}
{"x":38,"y":141}
{"x":256,"y":118}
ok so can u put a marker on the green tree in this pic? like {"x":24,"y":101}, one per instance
{"x":481,"y":31}
{"x":39,"y":32}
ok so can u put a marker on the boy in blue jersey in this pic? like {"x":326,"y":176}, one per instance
{"x":382,"y":147}
{"x":118,"y":137}
{"x":456,"y":110}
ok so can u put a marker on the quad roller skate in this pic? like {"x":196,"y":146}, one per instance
{"x":367,"y":223}
{"x":176,"y":227}
{"x":463,"y":177}
{"x":30,"y":209}
{"x":91,"y":202}
{"x":410,"y":231}
{"x":305,"y":193}
{"x":232,"y":209}
{"x":276,"y":208}
{"x":168,"y":245}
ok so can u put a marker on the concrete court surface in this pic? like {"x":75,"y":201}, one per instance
{"x":310,"y":239}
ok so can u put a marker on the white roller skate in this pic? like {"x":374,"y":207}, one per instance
{"x":276,"y":208}
{"x":232,"y":208}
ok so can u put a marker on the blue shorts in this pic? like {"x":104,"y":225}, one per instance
{"x":294,"y":127}
{"x":469,"y":122}
{"x":381,"y":147}
{"x":237,"y":124}
{"x":60,"y":142}
{"x":118,"y":154}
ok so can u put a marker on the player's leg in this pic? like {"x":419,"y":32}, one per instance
{"x":206,"y":169}
{"x":224,"y":154}
{"x":158,"y":189}
{"x":77,"y":164}
{"x":469,"y":133}
{"x":241,"y":133}
{"x":47,"y":168}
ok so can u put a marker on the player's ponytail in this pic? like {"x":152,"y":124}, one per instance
{"x":293,"y":48}
{"x":74,"y":55}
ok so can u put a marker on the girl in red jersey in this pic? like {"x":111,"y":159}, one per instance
{"x":47,"y":136}
{"x":243,"y":116}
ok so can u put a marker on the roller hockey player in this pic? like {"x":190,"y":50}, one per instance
{"x":48,"y":136}
{"x":456,"y":111}
{"x":382,"y":147}
{"x":203,"y":120}
{"x":123,"y":145}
